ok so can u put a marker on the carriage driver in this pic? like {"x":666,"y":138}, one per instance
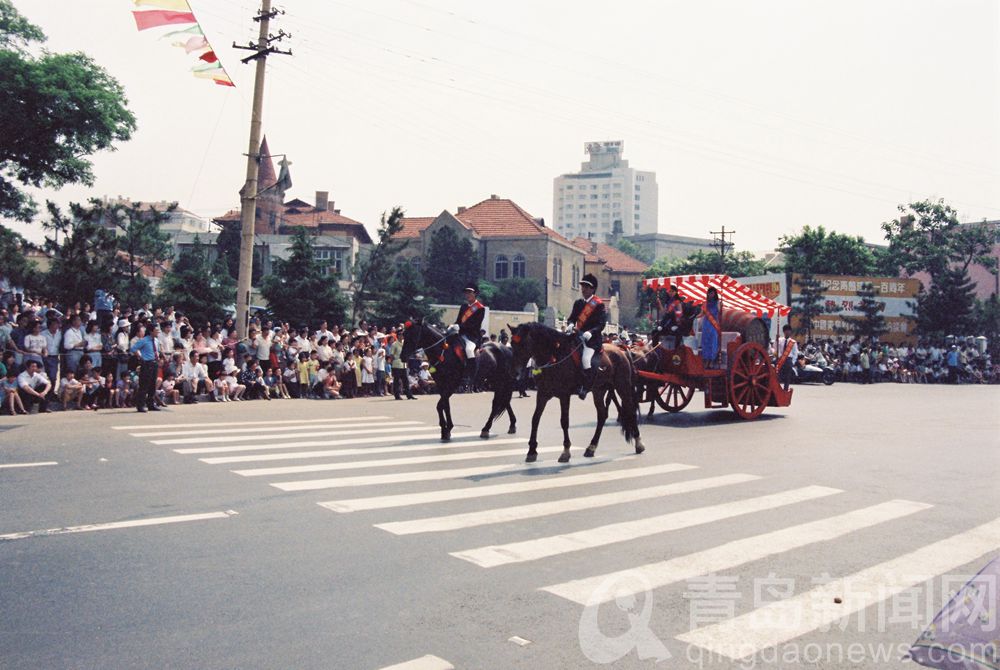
{"x":587,"y":320}
{"x":469,"y":323}
{"x":673,"y":315}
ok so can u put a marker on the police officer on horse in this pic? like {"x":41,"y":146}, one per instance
{"x":587,"y":321}
{"x":468,"y":327}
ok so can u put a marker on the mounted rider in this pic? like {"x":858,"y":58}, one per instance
{"x":673,"y":317}
{"x":468,"y":326}
{"x":587,"y":321}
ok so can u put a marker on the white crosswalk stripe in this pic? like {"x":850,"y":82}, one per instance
{"x":531,"y":550}
{"x":742,"y":551}
{"x":421,"y":476}
{"x":417,"y":432}
{"x":373,"y":453}
{"x":216,"y":424}
{"x":332,"y":453}
{"x":378,"y":463}
{"x":445,"y":495}
{"x":786,"y":619}
{"x":520,"y":512}
{"x":365,"y":428}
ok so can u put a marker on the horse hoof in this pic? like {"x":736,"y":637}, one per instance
{"x":564,"y":457}
{"x":639,"y":447}
{"x":485,"y":435}
{"x":589,"y":453}
{"x":531,"y":457}
{"x":446,"y":437}
{"x":512,"y":431}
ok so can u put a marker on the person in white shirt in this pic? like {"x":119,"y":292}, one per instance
{"x":33,"y":387}
{"x":323,"y":332}
{"x":71,"y":390}
{"x":93,"y":343}
{"x":263,"y":348}
{"x":194,"y":378}
{"x":74,"y":343}
{"x":229,"y":372}
{"x":35,"y":344}
{"x":165,"y":340}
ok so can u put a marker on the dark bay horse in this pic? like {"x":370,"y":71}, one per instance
{"x":448,"y":370}
{"x":555,"y":357}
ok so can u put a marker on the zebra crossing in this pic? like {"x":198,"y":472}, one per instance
{"x":401,"y":477}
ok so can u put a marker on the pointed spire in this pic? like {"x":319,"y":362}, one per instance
{"x":266,"y":176}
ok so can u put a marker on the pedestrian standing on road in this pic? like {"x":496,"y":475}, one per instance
{"x":399,"y":380}
{"x":147,"y":349}
{"x":788,"y":353}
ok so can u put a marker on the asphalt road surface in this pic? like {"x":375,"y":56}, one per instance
{"x":343,"y":534}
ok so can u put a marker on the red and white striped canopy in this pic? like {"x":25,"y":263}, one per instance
{"x":734,"y":295}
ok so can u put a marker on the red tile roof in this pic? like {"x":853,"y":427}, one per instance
{"x":614,"y":259}
{"x":413,"y":226}
{"x":295,"y":216}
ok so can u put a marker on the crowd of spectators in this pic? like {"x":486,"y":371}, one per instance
{"x":949,"y":361}
{"x":82,"y":358}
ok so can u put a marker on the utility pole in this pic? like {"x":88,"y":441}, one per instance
{"x":720,"y":243}
{"x":248,"y":194}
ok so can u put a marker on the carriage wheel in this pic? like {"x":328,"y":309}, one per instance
{"x":749,"y":381}
{"x":674,"y":397}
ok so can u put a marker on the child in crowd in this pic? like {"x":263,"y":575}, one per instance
{"x":11,"y":397}
{"x":169,"y":390}
{"x":220,"y":388}
{"x":331,"y":386}
{"x":273,"y":382}
{"x":290,"y":377}
{"x":71,"y":390}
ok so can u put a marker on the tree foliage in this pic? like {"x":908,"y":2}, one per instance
{"x":55,"y":110}
{"x":300,"y":291}
{"x":84,"y":256}
{"x":511,"y":294}
{"x":140,"y":241}
{"x":14,"y":264}
{"x":809,"y":305}
{"x":871,"y":324}
{"x":406,"y":298}
{"x":815,"y":251}
{"x":946,"y":308}
{"x":452,"y":262}
{"x":927,"y":237}
{"x":736,"y":264}
{"x":634,"y":250}
{"x":196,"y":286}
{"x":375,"y":272}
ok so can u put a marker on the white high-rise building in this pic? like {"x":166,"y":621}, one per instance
{"x":605,"y":198}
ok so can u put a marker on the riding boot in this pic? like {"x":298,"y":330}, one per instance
{"x":588,"y":381}
{"x":470,"y":374}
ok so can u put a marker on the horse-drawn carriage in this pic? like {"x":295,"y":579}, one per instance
{"x":741,"y":376}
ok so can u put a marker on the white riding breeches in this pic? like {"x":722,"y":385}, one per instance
{"x":470,"y":348}
{"x":586,"y":357}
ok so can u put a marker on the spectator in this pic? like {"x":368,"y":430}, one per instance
{"x":9,"y":394}
{"x":71,"y":390}
{"x":254,"y":384}
{"x":33,"y":387}
{"x":93,"y":344}
{"x":73,"y":343}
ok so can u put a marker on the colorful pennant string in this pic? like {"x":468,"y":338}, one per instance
{"x":190,"y":36}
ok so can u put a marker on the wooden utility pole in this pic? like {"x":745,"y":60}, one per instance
{"x":248,"y":195}
{"x":720,"y":243}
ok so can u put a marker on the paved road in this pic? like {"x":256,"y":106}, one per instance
{"x":307,"y":534}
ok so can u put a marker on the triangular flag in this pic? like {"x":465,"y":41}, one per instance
{"x":194,"y":44}
{"x":209,"y":57}
{"x":193,"y":30}
{"x":225,"y":82}
{"x":178,"y":5}
{"x":207,"y":68}
{"x":155,"y":18}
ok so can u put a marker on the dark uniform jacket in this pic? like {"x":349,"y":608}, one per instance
{"x":590,"y":316}
{"x":470,"y":320}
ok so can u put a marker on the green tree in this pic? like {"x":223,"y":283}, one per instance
{"x":227,"y":245}
{"x":513,"y":294}
{"x":927,"y":237}
{"x":55,"y":110}
{"x":84,"y":255}
{"x":406,"y":298}
{"x":634,"y":250}
{"x":452,"y":262}
{"x":14,"y":264}
{"x":809,"y":305}
{"x":871,"y":324}
{"x":815,"y":251}
{"x":738,"y":264}
{"x":142,"y":243}
{"x":986,"y":317}
{"x":947,"y":307}
{"x":197,"y":287}
{"x":376,"y":270}
{"x":300,"y":290}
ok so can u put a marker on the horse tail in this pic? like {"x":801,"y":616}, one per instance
{"x":498,"y":362}
{"x":628,"y":418}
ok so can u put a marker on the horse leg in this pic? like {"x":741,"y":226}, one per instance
{"x":447,"y":414}
{"x":442,"y":418}
{"x":540,"y":401}
{"x":494,"y":410}
{"x":564,"y":422}
{"x":513,"y":419}
{"x":601,"y":405}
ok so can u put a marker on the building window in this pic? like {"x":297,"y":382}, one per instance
{"x":593,"y":196}
{"x":569,"y":187}
{"x":637,"y":208}
{"x":616,"y":287}
{"x":576,"y":274}
{"x":557,"y":272}
{"x":501,"y":267}
{"x":636,"y":217}
{"x":617,"y":186}
{"x":332,"y":261}
{"x":518,"y":266}
{"x":415,"y":263}
{"x":638,"y":197}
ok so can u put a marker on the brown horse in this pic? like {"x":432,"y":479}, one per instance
{"x":557,"y":374}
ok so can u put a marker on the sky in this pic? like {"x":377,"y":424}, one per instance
{"x":762,"y":116}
